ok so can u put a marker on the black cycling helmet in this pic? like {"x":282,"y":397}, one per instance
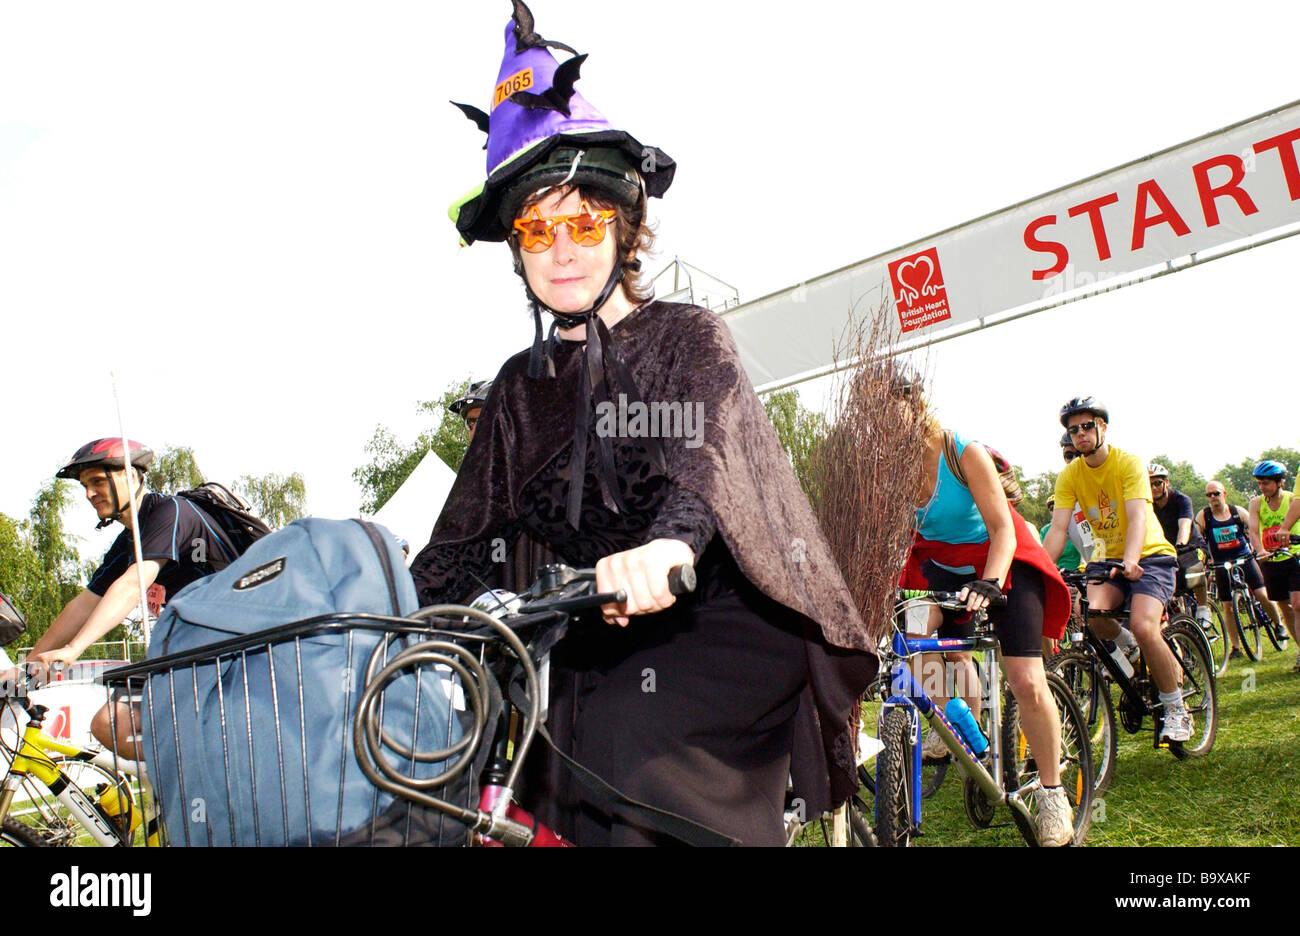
{"x":1270,"y":471}
{"x":610,"y":171}
{"x":106,"y":454}
{"x":476,"y":395}
{"x":1084,"y":404}
{"x":1066,"y":441}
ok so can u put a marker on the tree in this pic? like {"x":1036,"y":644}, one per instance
{"x":175,"y":470}
{"x":1036,"y":491}
{"x":1185,"y":478}
{"x":798,"y":430}
{"x":50,"y":541}
{"x":39,"y":565}
{"x":392,"y":461}
{"x":277,"y":499}
{"x":1239,"y":479}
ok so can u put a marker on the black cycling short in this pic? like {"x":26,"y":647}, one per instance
{"x":1282,"y":578}
{"x":1019,"y":625}
{"x":1250,"y":572}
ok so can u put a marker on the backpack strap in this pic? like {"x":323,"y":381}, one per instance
{"x":952,"y":458}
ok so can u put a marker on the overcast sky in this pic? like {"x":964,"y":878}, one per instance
{"x":241,"y":208}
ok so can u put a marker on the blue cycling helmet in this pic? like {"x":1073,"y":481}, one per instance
{"x":1270,"y":471}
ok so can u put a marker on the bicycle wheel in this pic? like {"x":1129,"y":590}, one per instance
{"x":1247,"y":626}
{"x":1079,"y":671}
{"x":52,"y":820}
{"x":1217,"y":634}
{"x":1200,"y":692}
{"x":1021,"y":771}
{"x":1265,"y":623}
{"x":820,"y":833}
{"x":894,"y":793}
{"x":17,"y":834}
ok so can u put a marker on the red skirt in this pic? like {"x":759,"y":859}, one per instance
{"x":1056,"y":596}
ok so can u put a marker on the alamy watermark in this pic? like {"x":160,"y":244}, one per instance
{"x":656,"y":420}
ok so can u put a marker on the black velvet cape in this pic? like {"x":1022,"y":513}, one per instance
{"x":685,"y":353}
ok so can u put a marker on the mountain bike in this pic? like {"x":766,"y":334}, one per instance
{"x":1250,"y":615}
{"x":1089,"y":668}
{"x":1005,"y":774}
{"x":70,"y":788}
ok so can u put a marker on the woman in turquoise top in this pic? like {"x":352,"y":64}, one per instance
{"x":968,"y":539}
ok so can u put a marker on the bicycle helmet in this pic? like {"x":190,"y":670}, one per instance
{"x":1084,"y":404}
{"x":476,"y":395}
{"x":106,"y":454}
{"x":1270,"y":471}
{"x":1066,"y":441}
{"x":1157,"y":470}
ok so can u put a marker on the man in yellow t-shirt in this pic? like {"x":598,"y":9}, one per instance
{"x":1113,"y":489}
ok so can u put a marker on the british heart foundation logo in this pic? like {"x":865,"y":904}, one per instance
{"x":919,"y":293}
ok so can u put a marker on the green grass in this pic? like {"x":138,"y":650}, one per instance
{"x":1246,"y":791}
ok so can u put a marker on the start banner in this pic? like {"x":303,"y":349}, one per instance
{"x":1236,"y":183}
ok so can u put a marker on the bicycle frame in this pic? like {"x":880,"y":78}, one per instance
{"x":908,"y":694}
{"x":1117,"y":675}
{"x":32,"y":759}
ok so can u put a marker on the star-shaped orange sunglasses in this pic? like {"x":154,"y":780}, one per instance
{"x":587,"y":227}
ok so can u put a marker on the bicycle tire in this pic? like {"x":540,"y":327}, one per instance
{"x":1202,"y":701}
{"x":1265,"y":624}
{"x":1190,"y":623}
{"x":1076,"y":760}
{"x":867,"y":779}
{"x":894,"y":793}
{"x":861,"y":835}
{"x":1244,"y":613}
{"x":17,"y":834}
{"x":1079,"y":671}
{"x":1219,"y":641}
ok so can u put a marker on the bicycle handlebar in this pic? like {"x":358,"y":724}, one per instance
{"x":944,"y":599}
{"x":561,"y":588}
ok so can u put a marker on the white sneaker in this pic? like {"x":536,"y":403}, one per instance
{"x":933,"y":748}
{"x":1178,"y":726}
{"x":1055,"y":818}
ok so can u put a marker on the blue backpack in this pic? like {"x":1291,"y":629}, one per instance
{"x":255,"y":746}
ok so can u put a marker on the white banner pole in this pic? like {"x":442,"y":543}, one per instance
{"x":135,"y":518}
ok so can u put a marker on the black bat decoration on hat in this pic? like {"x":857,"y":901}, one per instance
{"x":473,"y":113}
{"x":557,"y":96}
{"x":526,"y":38}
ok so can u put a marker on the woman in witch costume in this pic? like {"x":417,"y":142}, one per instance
{"x":704,"y":705}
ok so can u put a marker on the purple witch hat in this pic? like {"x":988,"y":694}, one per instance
{"x":534,"y":110}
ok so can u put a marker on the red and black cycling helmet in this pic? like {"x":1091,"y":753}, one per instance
{"x":1084,"y":404}
{"x":106,"y":454}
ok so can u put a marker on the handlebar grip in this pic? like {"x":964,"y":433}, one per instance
{"x":681,"y":579}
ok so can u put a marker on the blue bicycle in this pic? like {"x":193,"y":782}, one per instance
{"x":1004,"y":773}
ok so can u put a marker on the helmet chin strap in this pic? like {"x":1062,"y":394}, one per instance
{"x":542,"y":352}
{"x":118,"y":509}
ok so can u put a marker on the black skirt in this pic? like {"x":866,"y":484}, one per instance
{"x":690,"y":710}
